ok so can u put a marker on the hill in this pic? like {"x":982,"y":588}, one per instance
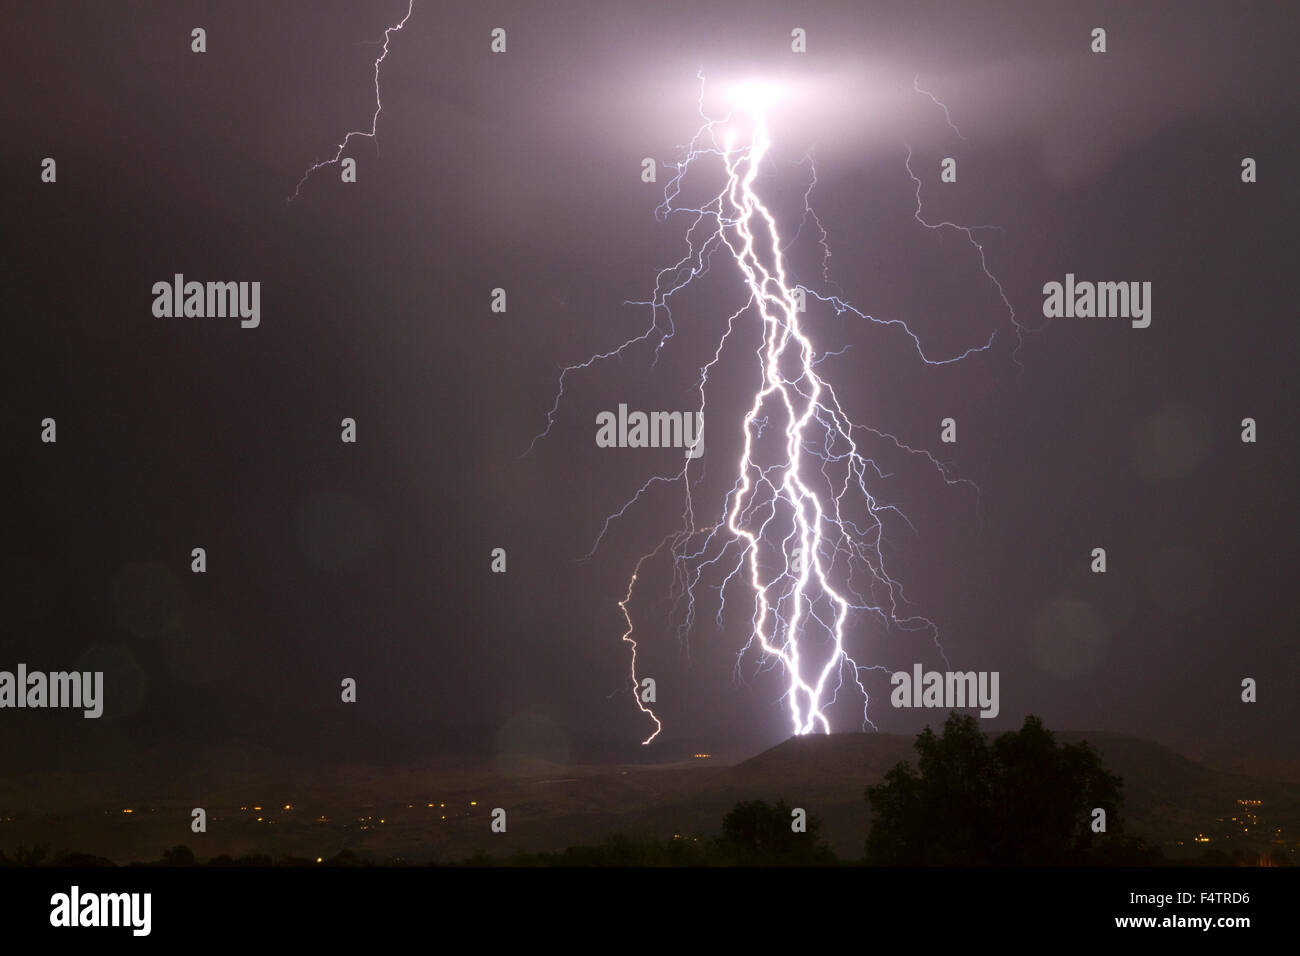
{"x":442,"y":812}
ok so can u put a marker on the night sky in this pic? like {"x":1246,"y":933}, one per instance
{"x":522,"y":170}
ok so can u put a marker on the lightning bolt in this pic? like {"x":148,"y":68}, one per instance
{"x":800,"y":532}
{"x":916,"y":85}
{"x":374,"y":119}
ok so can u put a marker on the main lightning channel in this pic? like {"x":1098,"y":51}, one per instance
{"x":800,"y":535}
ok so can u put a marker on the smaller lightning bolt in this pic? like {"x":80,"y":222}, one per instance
{"x":916,"y":85}
{"x":967,"y":231}
{"x":374,"y":120}
{"x":631,"y":641}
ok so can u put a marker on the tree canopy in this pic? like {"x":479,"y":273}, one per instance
{"x":1022,"y":800}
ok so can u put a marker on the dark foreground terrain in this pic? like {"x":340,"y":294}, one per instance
{"x":264,"y":806}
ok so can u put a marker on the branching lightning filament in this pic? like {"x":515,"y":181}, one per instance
{"x":799,"y":536}
{"x":374,"y":119}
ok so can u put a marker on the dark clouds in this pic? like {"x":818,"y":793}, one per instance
{"x":522,"y":171}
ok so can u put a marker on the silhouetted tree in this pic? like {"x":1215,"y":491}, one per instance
{"x":346,"y":858}
{"x":83,"y":860}
{"x":36,"y":856}
{"x":755,"y":833}
{"x":1023,"y":800}
{"x":179,"y":855}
